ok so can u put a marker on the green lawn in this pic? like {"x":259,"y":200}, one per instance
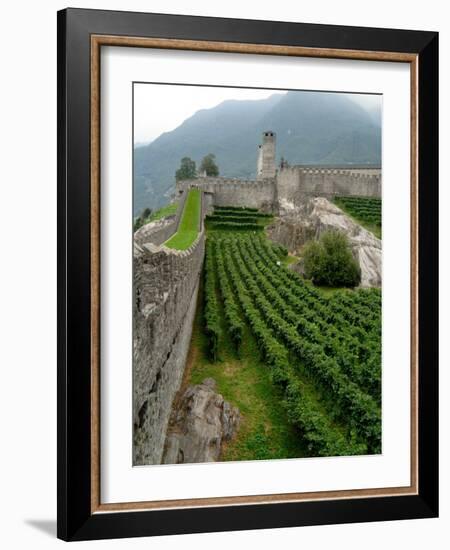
{"x":163,"y":212}
{"x":189,"y":223}
{"x":168,"y":210}
{"x":290,"y":259}
{"x":328,"y":291}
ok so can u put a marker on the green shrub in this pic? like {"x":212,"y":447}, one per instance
{"x":330,"y":262}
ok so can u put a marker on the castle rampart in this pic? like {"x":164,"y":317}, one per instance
{"x":160,"y":231}
{"x":166,"y":283}
{"x":294,"y":183}
{"x":274,"y":187}
{"x":230,"y":191}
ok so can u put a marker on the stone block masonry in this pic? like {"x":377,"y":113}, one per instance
{"x":166,"y":285}
{"x":160,"y":231}
{"x":296,"y":183}
{"x":157,"y":232}
{"x":274,"y":188}
{"x":266,"y":166}
{"x":166,"y":281}
{"x":223,"y":191}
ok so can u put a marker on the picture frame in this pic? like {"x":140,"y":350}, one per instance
{"x":81,"y":35}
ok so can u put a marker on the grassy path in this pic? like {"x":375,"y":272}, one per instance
{"x":189,"y":223}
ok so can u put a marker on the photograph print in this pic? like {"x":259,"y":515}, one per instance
{"x":257,"y":290}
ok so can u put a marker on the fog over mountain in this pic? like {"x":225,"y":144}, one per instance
{"x":312,"y":128}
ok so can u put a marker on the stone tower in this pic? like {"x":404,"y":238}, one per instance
{"x":266,"y":167}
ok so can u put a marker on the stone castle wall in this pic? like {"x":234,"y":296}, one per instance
{"x":166,"y":282}
{"x":294,"y":183}
{"x":229,"y":191}
{"x":157,"y":232}
{"x":160,"y":231}
{"x":166,"y":285}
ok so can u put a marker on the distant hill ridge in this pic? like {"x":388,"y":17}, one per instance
{"x":313,"y":128}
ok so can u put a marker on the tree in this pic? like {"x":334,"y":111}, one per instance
{"x":186,"y":170}
{"x":140,"y":220}
{"x":209,"y":165}
{"x":330,"y":262}
{"x":137,"y":224}
{"x":146,"y":213}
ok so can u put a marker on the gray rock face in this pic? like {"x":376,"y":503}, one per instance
{"x":291,"y":232}
{"x":156,"y":232}
{"x":299,"y":223}
{"x":201,"y":421}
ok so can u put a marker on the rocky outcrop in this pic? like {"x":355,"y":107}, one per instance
{"x":156,"y":232}
{"x":299,"y":223}
{"x":201,"y":421}
{"x":291,"y":233}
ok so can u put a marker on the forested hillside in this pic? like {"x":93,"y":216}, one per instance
{"x":311,"y":128}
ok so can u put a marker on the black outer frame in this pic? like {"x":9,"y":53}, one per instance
{"x":75,"y":521}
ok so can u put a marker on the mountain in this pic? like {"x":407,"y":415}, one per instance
{"x":312,"y":128}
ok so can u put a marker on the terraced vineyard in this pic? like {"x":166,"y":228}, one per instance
{"x":365,"y":210}
{"x":233,"y":219}
{"x":322,"y":353}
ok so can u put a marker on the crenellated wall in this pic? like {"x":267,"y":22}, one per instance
{"x":166,"y":281}
{"x":166,"y":285}
{"x":294,"y":183}
{"x":160,"y":231}
{"x":229,"y":191}
{"x":157,"y":232}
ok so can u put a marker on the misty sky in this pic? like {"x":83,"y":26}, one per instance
{"x":160,"y":108}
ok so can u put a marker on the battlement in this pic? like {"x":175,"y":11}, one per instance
{"x":165,"y":286}
{"x":296,"y":182}
{"x":202,"y":182}
{"x":287,"y":183}
{"x":166,"y":281}
{"x":353,"y":171}
{"x":229,"y":191}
